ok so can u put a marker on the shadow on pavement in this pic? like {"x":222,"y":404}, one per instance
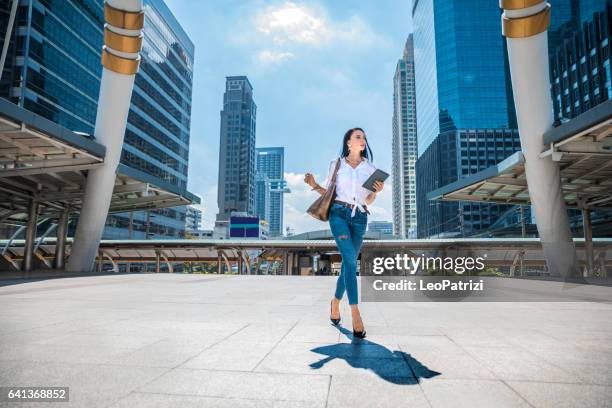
{"x":368,"y":355}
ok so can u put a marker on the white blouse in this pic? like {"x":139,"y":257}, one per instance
{"x":349,"y":182}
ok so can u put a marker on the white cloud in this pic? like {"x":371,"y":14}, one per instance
{"x":292,"y":23}
{"x":283,"y":29}
{"x":273,"y":57}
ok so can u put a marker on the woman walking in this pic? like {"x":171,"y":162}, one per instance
{"x":348,"y":216}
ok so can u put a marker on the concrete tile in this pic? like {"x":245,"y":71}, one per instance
{"x":262,"y":332}
{"x":471,"y":394}
{"x":24,"y":373}
{"x":590,"y":373}
{"x":307,"y":333}
{"x":477,"y":337}
{"x":98,"y":340}
{"x":231,"y":355}
{"x":570,"y":354}
{"x":373,"y":391}
{"x":170,"y":352}
{"x":427,"y":343}
{"x":50,"y":330}
{"x":512,"y":364}
{"x":445,"y":364}
{"x":237,"y":384}
{"x":102,"y":385}
{"x":563,"y":395}
{"x":150,"y":400}
{"x":61,"y":353}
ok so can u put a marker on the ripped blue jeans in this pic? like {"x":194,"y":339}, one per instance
{"x":348,"y":233}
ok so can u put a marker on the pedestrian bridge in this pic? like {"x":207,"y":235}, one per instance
{"x":513,"y":256}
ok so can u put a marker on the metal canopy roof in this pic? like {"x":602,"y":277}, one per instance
{"x":42,"y":160}
{"x":583,"y":148}
{"x":499,"y":251}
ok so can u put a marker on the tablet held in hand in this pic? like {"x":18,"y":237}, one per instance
{"x":378,"y":175}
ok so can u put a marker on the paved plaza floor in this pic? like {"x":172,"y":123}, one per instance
{"x":180,"y":340}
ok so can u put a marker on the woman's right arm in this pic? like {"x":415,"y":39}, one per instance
{"x":309,"y":179}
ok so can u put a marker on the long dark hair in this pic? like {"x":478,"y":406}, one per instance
{"x":367,"y":152}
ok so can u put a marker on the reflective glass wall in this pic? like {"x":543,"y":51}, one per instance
{"x":54,"y":69}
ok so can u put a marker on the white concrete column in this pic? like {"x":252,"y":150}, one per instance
{"x":525,"y":24}
{"x":120,"y":60}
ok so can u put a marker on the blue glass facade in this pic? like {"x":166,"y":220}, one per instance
{"x":451,"y":156}
{"x":589,"y":7}
{"x":465,"y":110}
{"x":464,"y":104}
{"x":461,"y":68}
{"x":55,"y":72}
{"x":580,"y":62}
{"x":426,"y":84}
{"x":270,"y":169}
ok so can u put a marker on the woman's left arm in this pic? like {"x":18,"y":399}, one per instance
{"x":378,"y":186}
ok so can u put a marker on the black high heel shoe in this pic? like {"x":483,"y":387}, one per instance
{"x":359,"y":334}
{"x":334,"y":321}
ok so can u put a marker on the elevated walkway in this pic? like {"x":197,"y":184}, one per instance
{"x":294,"y":257}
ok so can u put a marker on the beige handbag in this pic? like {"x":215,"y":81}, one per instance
{"x":320,"y":208}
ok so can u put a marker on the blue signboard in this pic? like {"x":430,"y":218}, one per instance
{"x":244,"y":227}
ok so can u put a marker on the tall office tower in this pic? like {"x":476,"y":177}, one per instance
{"x":464,"y":107}
{"x":53,"y":69}
{"x":193,"y":219}
{"x":262,"y":196}
{"x":270,"y":168}
{"x":236,"y":189}
{"x":464,"y":98}
{"x":404,"y":148}
{"x":580,"y":63}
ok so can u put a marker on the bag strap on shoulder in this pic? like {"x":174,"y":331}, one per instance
{"x":336,"y":170}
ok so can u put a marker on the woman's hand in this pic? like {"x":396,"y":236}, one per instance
{"x":378,"y":186}
{"x":310,"y":180}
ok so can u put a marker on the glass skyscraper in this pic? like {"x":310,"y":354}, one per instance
{"x":54,"y":69}
{"x":462,"y":78}
{"x":404,"y":146}
{"x":465,"y":110}
{"x":464,"y":107}
{"x":580,"y":62}
{"x":270,"y":167}
{"x":236,"y":189}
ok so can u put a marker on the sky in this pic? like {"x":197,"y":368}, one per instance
{"x":317,"y":69}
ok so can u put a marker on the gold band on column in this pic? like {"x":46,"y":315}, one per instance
{"x":122,"y":42}
{"x":526,"y":26}
{"x":124,"y":19}
{"x":118,"y":64}
{"x":518,"y":4}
